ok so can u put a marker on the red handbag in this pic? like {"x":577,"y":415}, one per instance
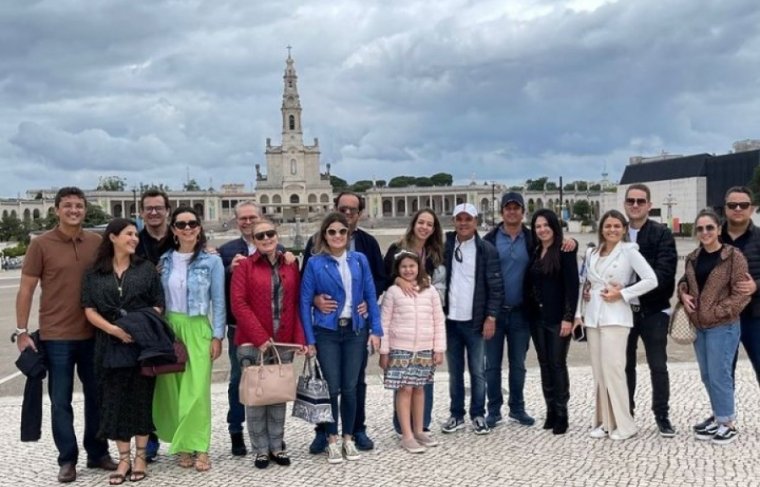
{"x":179,"y":366}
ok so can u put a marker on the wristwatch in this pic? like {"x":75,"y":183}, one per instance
{"x":19,"y":331}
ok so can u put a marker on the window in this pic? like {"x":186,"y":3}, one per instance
{"x":293,"y":166}
{"x":292,"y":122}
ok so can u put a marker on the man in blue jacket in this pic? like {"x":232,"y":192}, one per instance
{"x":473,"y":295}
{"x":352,"y":206}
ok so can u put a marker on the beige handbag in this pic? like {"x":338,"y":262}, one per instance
{"x":264,"y":385}
{"x":680,"y":329}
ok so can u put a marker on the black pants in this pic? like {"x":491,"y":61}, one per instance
{"x":551,"y":350}
{"x":653,"y":330}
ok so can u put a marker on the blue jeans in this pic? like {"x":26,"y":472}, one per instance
{"x":236,"y":411}
{"x":62,"y":356}
{"x":715,"y":349}
{"x":463,"y":337}
{"x":427,"y":416}
{"x":750,"y":338}
{"x":341,"y":355}
{"x":510,"y":324}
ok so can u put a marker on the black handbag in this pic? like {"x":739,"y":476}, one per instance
{"x":312,"y":402}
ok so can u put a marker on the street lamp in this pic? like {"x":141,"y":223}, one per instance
{"x":134,"y":200}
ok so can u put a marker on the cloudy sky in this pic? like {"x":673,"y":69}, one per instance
{"x":495,"y":90}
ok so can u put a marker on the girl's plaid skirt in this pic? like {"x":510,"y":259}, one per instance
{"x":409,"y":369}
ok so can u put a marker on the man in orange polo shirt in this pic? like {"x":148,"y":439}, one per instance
{"x":57,"y":260}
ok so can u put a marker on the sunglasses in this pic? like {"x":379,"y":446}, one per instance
{"x":333,"y":232}
{"x":265,"y":234}
{"x":348,"y":209}
{"x":706,"y":228}
{"x":458,"y":254}
{"x":743,"y":205}
{"x":154,"y":209}
{"x":192,"y":224}
{"x":635,"y":201}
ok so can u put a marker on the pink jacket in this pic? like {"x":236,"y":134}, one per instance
{"x":412,"y":324}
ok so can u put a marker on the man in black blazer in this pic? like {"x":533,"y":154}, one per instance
{"x":651,"y":312}
{"x":352,"y":206}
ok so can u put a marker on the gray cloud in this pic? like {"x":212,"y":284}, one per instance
{"x":152,"y":90}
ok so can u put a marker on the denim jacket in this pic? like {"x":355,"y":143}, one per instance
{"x":322,"y":276}
{"x":205,"y":288}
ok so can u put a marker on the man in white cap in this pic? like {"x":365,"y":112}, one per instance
{"x":473,"y":296}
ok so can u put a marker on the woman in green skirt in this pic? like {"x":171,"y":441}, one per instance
{"x":193,"y":283}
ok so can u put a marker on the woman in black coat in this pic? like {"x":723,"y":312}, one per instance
{"x":552,"y":296}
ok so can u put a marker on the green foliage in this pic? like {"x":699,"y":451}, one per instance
{"x":582,"y":186}
{"x":582,"y":211}
{"x":536,"y":184}
{"x":442,"y":179}
{"x":145,"y":187}
{"x":361,"y":186}
{"x":423,"y":182}
{"x":191,"y":185}
{"x":381,"y":183}
{"x":516,"y":188}
{"x":687,"y":229}
{"x":401,"y":181}
{"x":16,"y":251}
{"x":338,"y":183}
{"x":11,"y":228}
{"x":111,"y":183}
{"x":595,"y":187}
{"x":95,"y":216}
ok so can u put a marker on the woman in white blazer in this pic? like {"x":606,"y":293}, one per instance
{"x":611,"y":282}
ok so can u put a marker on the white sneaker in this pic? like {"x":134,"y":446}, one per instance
{"x":333,"y":453}
{"x":350,"y":451}
{"x":598,"y":432}
{"x":618,"y":436}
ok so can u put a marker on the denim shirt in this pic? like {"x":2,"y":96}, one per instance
{"x":205,"y":288}
{"x":322,"y":276}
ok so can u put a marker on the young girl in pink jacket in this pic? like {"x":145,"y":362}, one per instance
{"x":413,"y":343}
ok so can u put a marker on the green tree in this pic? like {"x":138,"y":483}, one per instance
{"x":111,"y":183}
{"x":582,"y":186}
{"x":191,"y":185}
{"x":595,"y":187}
{"x":423,"y":182}
{"x":582,"y":211}
{"x":381,"y":183}
{"x":95,"y":216}
{"x":361,"y":186}
{"x":442,"y":179}
{"x":11,"y":228}
{"x":401,"y":181}
{"x":161,"y":187}
{"x":338,"y":183}
{"x":536,"y":184}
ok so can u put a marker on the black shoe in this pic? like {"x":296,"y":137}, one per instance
{"x":281,"y":458}
{"x":151,"y":449}
{"x":67,"y":473}
{"x":550,"y":419}
{"x":362,"y":441}
{"x":666,"y":429}
{"x":262,"y":461}
{"x":104,"y":463}
{"x":238,"y":445}
{"x":560,"y":425}
{"x":319,"y":444}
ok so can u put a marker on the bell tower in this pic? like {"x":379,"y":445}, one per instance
{"x":292,"y":131}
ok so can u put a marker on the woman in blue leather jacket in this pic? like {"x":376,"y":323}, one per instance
{"x":341,"y":335}
{"x":193,"y":282}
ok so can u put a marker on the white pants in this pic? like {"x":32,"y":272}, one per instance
{"x":607,"y":347}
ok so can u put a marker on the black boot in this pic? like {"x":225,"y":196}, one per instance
{"x":238,"y":445}
{"x":551,"y":417}
{"x":560,"y":425}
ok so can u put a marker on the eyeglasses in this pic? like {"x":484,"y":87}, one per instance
{"x":458,"y":254}
{"x":333,"y":232}
{"x":265,"y":234}
{"x":733,"y":205}
{"x":154,"y":209}
{"x":706,"y":228}
{"x":247,"y":218}
{"x":192,"y":224}
{"x":348,"y":209}
{"x":636,"y":201}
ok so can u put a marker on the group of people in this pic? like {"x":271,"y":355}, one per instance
{"x":457,"y":296}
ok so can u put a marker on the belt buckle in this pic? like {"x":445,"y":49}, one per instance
{"x":344,"y":322}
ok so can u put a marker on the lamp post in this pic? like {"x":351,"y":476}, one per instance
{"x":134,"y":201}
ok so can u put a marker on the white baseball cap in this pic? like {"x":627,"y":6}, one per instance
{"x":466,"y":208}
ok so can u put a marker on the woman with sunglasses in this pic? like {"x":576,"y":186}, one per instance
{"x":424,"y":237}
{"x":264,"y":298}
{"x":551,"y":299}
{"x":612,"y":269}
{"x":193,"y":282}
{"x":708,"y":291}
{"x":340,"y":336}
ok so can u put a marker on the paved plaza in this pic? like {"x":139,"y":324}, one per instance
{"x":510,"y":455}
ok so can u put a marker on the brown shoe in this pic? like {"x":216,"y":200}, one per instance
{"x":67,"y":473}
{"x":104,"y":463}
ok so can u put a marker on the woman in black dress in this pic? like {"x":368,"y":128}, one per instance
{"x":120,"y":281}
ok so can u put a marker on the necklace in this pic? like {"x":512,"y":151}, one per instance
{"x":120,"y":281}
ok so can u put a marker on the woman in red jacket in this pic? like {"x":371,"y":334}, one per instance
{"x":264,"y":296}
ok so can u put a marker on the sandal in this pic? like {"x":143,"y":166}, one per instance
{"x":117,"y":478}
{"x":185,"y":460}
{"x":202,"y":462}
{"x":138,"y":475}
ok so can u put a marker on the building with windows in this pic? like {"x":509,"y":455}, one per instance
{"x":293,"y":186}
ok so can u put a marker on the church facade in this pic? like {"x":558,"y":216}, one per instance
{"x":293,"y":186}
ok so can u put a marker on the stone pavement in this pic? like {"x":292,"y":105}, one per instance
{"x":510,"y":455}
